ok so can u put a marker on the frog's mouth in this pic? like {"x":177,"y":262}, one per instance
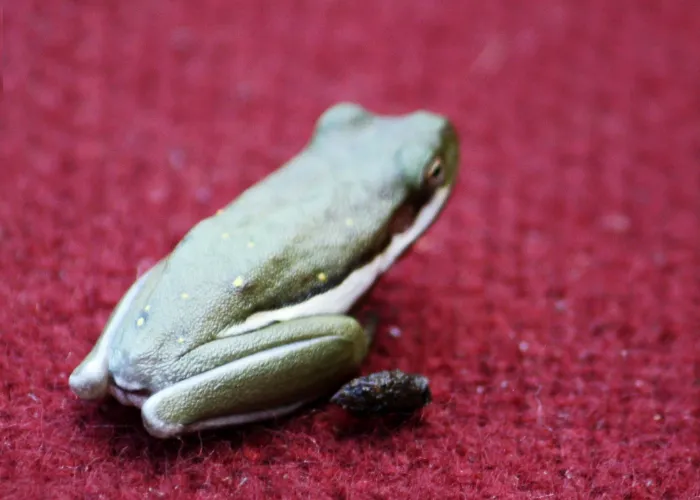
{"x":129,"y":397}
{"x":125,"y":382}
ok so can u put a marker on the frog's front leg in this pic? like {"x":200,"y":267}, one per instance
{"x":258,"y":375}
{"x":90,"y":380}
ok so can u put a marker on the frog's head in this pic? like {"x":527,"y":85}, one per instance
{"x":424,"y":145}
{"x":410,"y":161}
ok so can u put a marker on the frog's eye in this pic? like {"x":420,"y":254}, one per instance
{"x":434,"y":173}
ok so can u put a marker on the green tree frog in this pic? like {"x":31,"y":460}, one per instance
{"x":246,"y":319}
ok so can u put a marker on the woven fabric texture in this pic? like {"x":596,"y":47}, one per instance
{"x":555,"y":306}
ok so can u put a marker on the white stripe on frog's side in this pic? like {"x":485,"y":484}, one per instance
{"x":341,"y":298}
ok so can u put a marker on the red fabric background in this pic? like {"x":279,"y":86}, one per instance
{"x":555,"y":306}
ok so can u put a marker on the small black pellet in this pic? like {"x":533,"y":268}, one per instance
{"x":384,"y":393}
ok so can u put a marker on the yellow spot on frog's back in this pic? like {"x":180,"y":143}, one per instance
{"x":238,"y":282}
{"x":180,"y":340}
{"x":251,"y":244}
{"x":225,"y":236}
{"x":349,"y":222}
{"x":140,"y":321}
{"x":147,"y":308}
{"x":184,"y":296}
{"x":322,"y":277}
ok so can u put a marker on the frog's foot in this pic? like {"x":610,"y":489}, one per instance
{"x":257,"y":376}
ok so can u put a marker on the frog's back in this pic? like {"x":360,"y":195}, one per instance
{"x":300,"y":232}
{"x":303,"y":229}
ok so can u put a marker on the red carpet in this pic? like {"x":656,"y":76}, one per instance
{"x":555,"y":306}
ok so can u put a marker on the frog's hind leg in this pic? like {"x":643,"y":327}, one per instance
{"x":258,"y":375}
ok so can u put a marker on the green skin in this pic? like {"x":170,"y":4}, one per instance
{"x":245,"y":319}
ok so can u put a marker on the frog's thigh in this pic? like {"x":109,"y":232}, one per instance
{"x":283,"y":366}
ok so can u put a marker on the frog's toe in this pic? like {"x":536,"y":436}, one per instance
{"x":157,"y":426}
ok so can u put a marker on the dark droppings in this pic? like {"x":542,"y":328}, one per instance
{"x":384,"y":393}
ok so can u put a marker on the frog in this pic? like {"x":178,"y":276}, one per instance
{"x":248,"y":318}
